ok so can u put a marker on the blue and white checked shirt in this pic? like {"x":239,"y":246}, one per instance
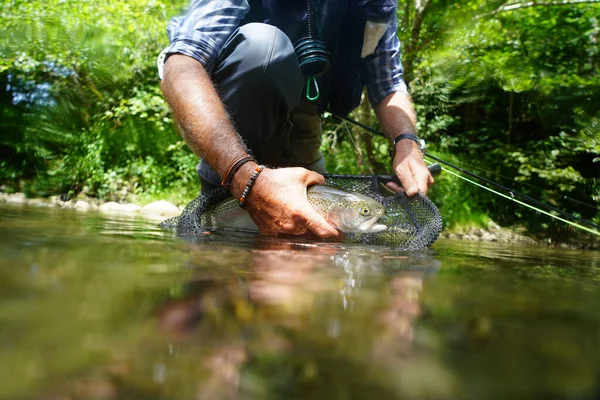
{"x":203,"y":31}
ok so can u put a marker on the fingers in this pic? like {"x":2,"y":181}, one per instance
{"x":422,"y":178}
{"x":405,"y":175}
{"x":394,"y":187}
{"x":413,"y":175}
{"x":312,"y":219}
{"x":280,"y":205}
{"x":318,"y":225}
{"x":312,"y":178}
{"x":414,"y":178}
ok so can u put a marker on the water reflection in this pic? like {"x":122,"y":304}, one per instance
{"x":106,"y":309}
{"x":287,"y":296}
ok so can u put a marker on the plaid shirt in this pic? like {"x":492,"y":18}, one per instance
{"x":208,"y":24}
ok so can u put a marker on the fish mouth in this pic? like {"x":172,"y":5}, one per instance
{"x":371,"y":226}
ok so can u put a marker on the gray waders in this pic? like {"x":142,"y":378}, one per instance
{"x":258,"y":79}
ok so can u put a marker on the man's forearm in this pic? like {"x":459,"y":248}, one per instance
{"x":197,"y":107}
{"x":396,"y":115}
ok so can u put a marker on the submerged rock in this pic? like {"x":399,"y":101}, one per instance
{"x":161,"y":208}
{"x":16,"y":198}
{"x":38,"y":203}
{"x":117,"y":208}
{"x":81,"y":205}
{"x":489,"y":237}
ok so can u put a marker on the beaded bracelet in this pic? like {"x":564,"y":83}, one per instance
{"x":233,"y":167}
{"x":250,"y":183}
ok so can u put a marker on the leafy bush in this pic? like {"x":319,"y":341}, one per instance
{"x":82,"y":101}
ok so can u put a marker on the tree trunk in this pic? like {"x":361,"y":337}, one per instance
{"x":511,"y":103}
{"x":375,"y":165}
{"x":593,"y":60}
{"x":412,"y":47}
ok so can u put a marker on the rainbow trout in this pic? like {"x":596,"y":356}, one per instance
{"x":347,"y":212}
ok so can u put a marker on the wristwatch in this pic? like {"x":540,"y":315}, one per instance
{"x":412,"y":137}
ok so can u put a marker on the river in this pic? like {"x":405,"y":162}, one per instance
{"x":93,"y":307}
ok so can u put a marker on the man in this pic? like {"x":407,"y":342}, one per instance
{"x":233,"y":80}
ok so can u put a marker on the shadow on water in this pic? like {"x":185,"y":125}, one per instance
{"x":108,"y":308}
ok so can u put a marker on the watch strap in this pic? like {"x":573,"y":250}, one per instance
{"x":408,"y":136}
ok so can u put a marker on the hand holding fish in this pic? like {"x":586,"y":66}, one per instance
{"x":278,"y":204}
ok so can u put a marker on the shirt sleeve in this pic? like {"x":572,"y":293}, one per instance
{"x":203,"y":31}
{"x":384,"y":68}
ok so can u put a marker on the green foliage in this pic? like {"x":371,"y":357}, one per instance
{"x":513,"y":96}
{"x":460,"y":203}
{"x":82,"y":100}
{"x":351,"y":150}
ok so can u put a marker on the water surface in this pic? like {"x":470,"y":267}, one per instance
{"x":99,"y":308}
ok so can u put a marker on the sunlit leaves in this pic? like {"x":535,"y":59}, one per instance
{"x":514,"y":93}
{"x":82,"y":76}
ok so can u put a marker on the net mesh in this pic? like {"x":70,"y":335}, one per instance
{"x":412,"y":222}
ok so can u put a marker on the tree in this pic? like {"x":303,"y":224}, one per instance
{"x":85,"y":100}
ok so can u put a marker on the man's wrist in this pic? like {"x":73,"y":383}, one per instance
{"x":409,"y":137}
{"x":406,"y":136}
{"x":241,"y":177}
{"x":232,"y":168}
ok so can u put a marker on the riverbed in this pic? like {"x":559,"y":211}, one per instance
{"x":101,"y":307}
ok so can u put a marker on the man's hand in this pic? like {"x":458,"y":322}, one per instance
{"x":396,"y":115}
{"x":411,"y":169}
{"x":277,"y":202}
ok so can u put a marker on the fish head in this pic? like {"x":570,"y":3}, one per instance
{"x":357,"y":214}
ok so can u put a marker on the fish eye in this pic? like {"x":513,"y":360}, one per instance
{"x":365,"y":211}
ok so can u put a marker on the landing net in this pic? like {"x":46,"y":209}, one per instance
{"x":412,"y":223}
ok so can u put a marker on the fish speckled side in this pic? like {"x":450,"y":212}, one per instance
{"x":348,"y":212}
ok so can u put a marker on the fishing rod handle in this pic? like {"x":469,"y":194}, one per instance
{"x":435,"y":169}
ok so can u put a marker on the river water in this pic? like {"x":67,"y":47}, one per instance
{"x":99,"y":308}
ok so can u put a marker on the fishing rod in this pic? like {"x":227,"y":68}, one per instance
{"x":530,"y":185}
{"x":512,"y":192}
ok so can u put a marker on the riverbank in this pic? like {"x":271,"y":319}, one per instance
{"x":156,"y":210}
{"x":492,"y":233}
{"x":161,"y":209}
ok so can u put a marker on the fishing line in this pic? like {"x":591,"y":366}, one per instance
{"x":497,"y":185}
{"x":522,"y":203}
{"x":580,"y":202}
{"x":527,"y":184}
{"x":513,"y":193}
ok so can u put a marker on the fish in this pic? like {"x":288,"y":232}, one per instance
{"x":345,"y":211}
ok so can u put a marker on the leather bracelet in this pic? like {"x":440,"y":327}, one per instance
{"x":250,"y":183}
{"x":412,"y":137}
{"x":233,"y":167}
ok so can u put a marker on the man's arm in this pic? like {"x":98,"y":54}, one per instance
{"x":396,"y":116}
{"x":389,"y":95}
{"x":277,"y":202}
